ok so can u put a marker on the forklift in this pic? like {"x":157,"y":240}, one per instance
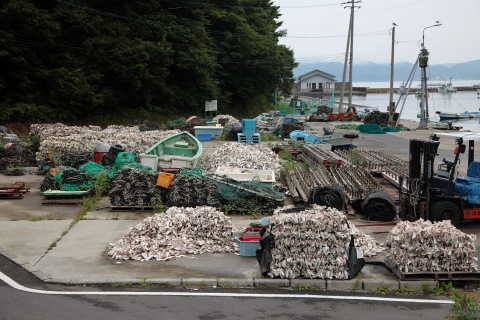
{"x":436,"y":196}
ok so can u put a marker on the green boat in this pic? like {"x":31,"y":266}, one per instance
{"x":181,"y":150}
{"x":64,"y":194}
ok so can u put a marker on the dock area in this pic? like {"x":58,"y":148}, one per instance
{"x":430,"y":89}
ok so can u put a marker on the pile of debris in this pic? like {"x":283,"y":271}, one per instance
{"x":63,"y":140}
{"x":240,"y":155}
{"x":190,"y":125}
{"x":177,"y":233}
{"x":16,"y":154}
{"x":423,"y":246}
{"x":378,"y":117}
{"x":288,"y":127}
{"x":226,"y":116}
{"x":313,"y":243}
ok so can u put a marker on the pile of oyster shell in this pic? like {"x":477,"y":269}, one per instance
{"x":58,"y":140}
{"x":178,"y":232}
{"x":423,"y":246}
{"x":314,"y":243}
{"x":226,"y":116}
{"x":240,"y":155}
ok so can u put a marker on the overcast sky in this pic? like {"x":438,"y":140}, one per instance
{"x":317,"y":29}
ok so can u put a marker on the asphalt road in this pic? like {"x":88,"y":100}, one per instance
{"x":78,"y":302}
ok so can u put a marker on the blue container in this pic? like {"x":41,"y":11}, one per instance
{"x":249,"y":126}
{"x":204,"y":136}
{"x":248,"y":248}
{"x":249,"y":139}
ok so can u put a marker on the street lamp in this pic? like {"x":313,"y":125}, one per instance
{"x":423,"y":63}
{"x":437,"y":24}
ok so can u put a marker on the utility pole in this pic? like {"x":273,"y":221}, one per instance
{"x":391,"y":105}
{"x":349,"y":53}
{"x":342,"y":90}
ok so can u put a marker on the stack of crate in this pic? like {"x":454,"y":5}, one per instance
{"x":248,"y":134}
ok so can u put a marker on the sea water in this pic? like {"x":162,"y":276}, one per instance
{"x":460,"y":101}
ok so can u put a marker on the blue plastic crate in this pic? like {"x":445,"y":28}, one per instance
{"x":249,"y":139}
{"x":248,"y":248}
{"x":249,"y":126}
{"x":204,"y":136}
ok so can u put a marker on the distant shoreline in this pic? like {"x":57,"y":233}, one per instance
{"x":412,"y":90}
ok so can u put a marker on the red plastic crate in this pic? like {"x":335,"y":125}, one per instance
{"x":250,"y":238}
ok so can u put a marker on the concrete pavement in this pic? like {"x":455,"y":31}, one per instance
{"x":58,"y":250}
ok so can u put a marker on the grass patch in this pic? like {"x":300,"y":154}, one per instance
{"x":37,"y":219}
{"x":303,"y":287}
{"x":357,"y":285}
{"x":270,"y":137}
{"x":120,"y":284}
{"x":465,"y":306}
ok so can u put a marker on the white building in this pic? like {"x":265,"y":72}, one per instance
{"x":316,"y":81}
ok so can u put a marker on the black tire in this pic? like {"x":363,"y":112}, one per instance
{"x":445,"y":210}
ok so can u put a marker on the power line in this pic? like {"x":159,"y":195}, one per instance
{"x":220,"y":4}
{"x":172,"y":26}
{"x":156,"y":23}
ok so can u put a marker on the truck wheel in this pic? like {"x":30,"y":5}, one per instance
{"x":445,"y":210}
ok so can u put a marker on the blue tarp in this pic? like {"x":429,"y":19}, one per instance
{"x":469,"y":192}
{"x":469,"y":187}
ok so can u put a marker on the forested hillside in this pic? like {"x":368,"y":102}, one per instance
{"x":90,"y":59}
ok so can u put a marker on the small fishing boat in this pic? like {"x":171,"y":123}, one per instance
{"x":181,"y":150}
{"x":443,"y":125}
{"x":458,"y":115}
{"x":447,"y":87}
{"x":402,"y":89}
{"x":305,"y":137}
{"x":64,"y":194}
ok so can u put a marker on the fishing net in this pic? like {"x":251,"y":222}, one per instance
{"x":347,"y":126}
{"x":232,"y":190}
{"x":92,"y":169}
{"x":69,"y":180}
{"x":126,"y":160}
{"x":370,"y":128}
{"x":389,"y":129}
{"x":134,"y":187}
{"x":109,"y":158}
{"x":189,"y":189}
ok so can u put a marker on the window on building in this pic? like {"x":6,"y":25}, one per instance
{"x":314,"y":86}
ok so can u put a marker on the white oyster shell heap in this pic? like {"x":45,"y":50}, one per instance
{"x":314,"y":244}
{"x":44,"y":130}
{"x":423,"y":246}
{"x":226,"y":116}
{"x":240,"y":155}
{"x":58,"y":139}
{"x":178,"y":232}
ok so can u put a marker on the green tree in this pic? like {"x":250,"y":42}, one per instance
{"x":64,"y":61}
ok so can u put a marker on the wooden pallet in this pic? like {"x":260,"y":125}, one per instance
{"x":16,"y":191}
{"x":11,"y":195}
{"x":436,"y":276}
{"x":131,"y":208}
{"x":62,"y":200}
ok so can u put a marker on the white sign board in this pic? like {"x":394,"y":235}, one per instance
{"x":210,"y":105}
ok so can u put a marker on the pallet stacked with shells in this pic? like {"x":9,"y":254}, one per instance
{"x":248,"y":134}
